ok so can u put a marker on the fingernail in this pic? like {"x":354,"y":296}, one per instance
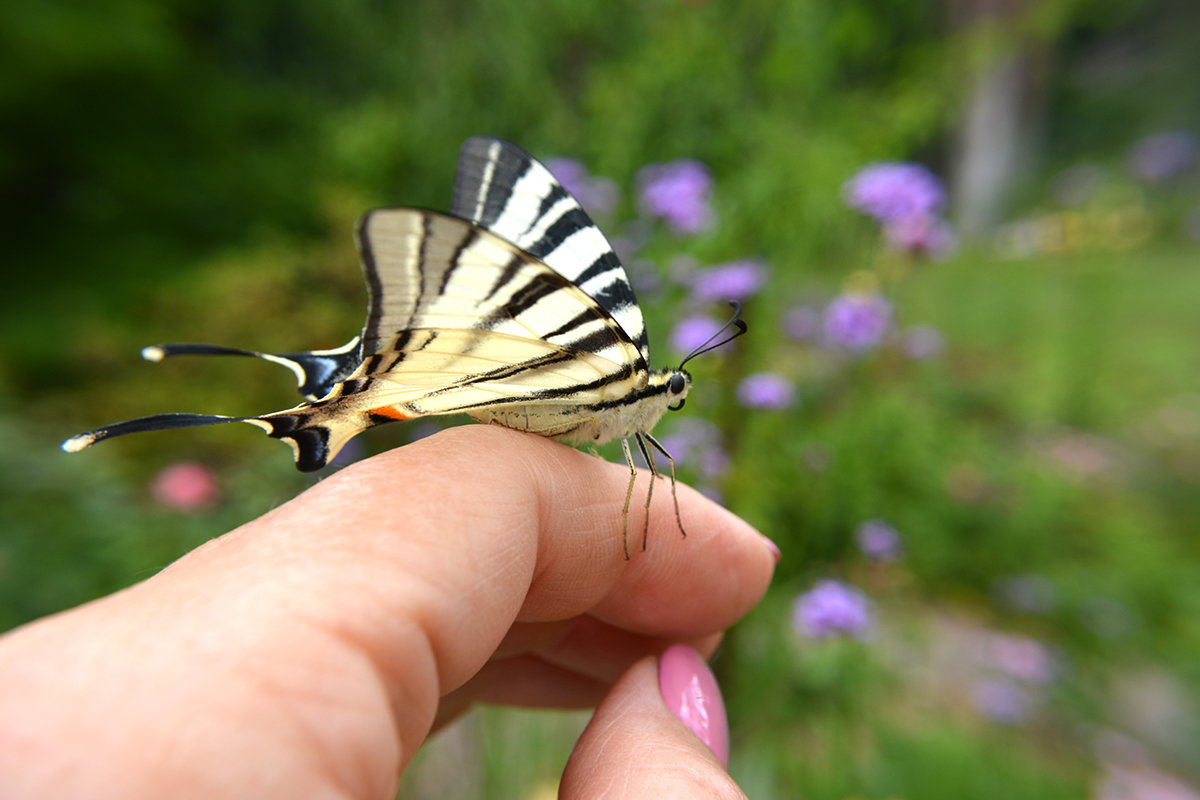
{"x":691,"y":692}
{"x":774,"y":548}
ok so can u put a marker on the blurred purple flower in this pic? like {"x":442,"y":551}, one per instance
{"x":832,"y":608}
{"x":878,"y":540}
{"x":892,"y":190}
{"x":737,"y":280}
{"x":766,"y":390}
{"x":597,"y":195}
{"x":697,"y":442}
{"x":920,"y":234}
{"x":923,"y":341}
{"x":1162,"y":156}
{"x":802,"y":323}
{"x":1027,"y":660}
{"x":1141,"y":781}
{"x":857,"y":322}
{"x":186,"y":486}
{"x":1002,"y":701}
{"x":679,"y":193}
{"x":713,"y":462}
{"x":691,"y":332}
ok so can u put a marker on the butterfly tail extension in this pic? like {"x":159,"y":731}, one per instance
{"x":316,"y":371}
{"x":156,"y":422}
{"x":315,"y":432}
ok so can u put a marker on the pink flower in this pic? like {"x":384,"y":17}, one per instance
{"x":920,"y":234}
{"x":186,"y":486}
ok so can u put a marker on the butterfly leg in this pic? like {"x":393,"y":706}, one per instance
{"x":628,"y":496}
{"x":649,"y":456}
{"x":671,"y":461}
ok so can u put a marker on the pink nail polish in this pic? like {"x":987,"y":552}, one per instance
{"x":692,"y":694}
{"x":774,"y":548}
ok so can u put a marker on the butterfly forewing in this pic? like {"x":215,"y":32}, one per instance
{"x":502,"y":188}
{"x":435,"y":272}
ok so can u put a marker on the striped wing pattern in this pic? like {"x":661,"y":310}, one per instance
{"x":472,"y":322}
{"x":504,"y":189}
{"x":514,"y":301}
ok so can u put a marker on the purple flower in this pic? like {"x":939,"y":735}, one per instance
{"x":766,"y":390}
{"x":878,"y":540}
{"x":678,"y":192}
{"x":691,"y":332}
{"x":802,"y":323}
{"x":1024,"y":659}
{"x":1162,"y":156}
{"x":697,"y":442}
{"x":737,"y":280}
{"x":920,"y":234}
{"x":597,"y":195}
{"x":923,"y":341}
{"x":857,"y":322}
{"x":1002,"y":701}
{"x":891,"y":190}
{"x":831,"y":608}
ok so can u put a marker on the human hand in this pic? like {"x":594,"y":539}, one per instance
{"x":310,"y":652}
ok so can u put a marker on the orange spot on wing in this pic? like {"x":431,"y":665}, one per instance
{"x":390,"y":413}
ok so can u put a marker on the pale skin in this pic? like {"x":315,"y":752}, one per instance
{"x":310,"y":652}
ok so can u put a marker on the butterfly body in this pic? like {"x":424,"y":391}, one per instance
{"x":605,"y":421}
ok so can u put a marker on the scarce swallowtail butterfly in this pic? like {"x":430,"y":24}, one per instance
{"x":513,"y":309}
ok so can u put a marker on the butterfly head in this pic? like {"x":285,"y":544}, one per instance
{"x":677,"y":384}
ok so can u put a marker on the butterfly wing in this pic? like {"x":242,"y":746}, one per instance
{"x":499,"y":187}
{"x":502,"y":188}
{"x":461,"y":320}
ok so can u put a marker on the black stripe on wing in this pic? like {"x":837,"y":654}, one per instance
{"x":502,"y":188}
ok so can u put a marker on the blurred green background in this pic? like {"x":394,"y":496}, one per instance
{"x":191,"y":171}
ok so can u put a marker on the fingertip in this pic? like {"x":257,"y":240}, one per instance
{"x":638,"y":745}
{"x":691,"y":693}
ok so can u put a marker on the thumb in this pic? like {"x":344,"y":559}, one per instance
{"x":660,"y":732}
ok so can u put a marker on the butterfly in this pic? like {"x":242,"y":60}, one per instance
{"x":513,"y":308}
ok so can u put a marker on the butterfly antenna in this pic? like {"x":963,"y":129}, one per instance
{"x":723,"y":336}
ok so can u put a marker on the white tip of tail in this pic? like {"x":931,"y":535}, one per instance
{"x":151,"y":353}
{"x":77,"y":443}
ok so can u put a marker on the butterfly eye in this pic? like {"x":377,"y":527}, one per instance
{"x":676,"y":385}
